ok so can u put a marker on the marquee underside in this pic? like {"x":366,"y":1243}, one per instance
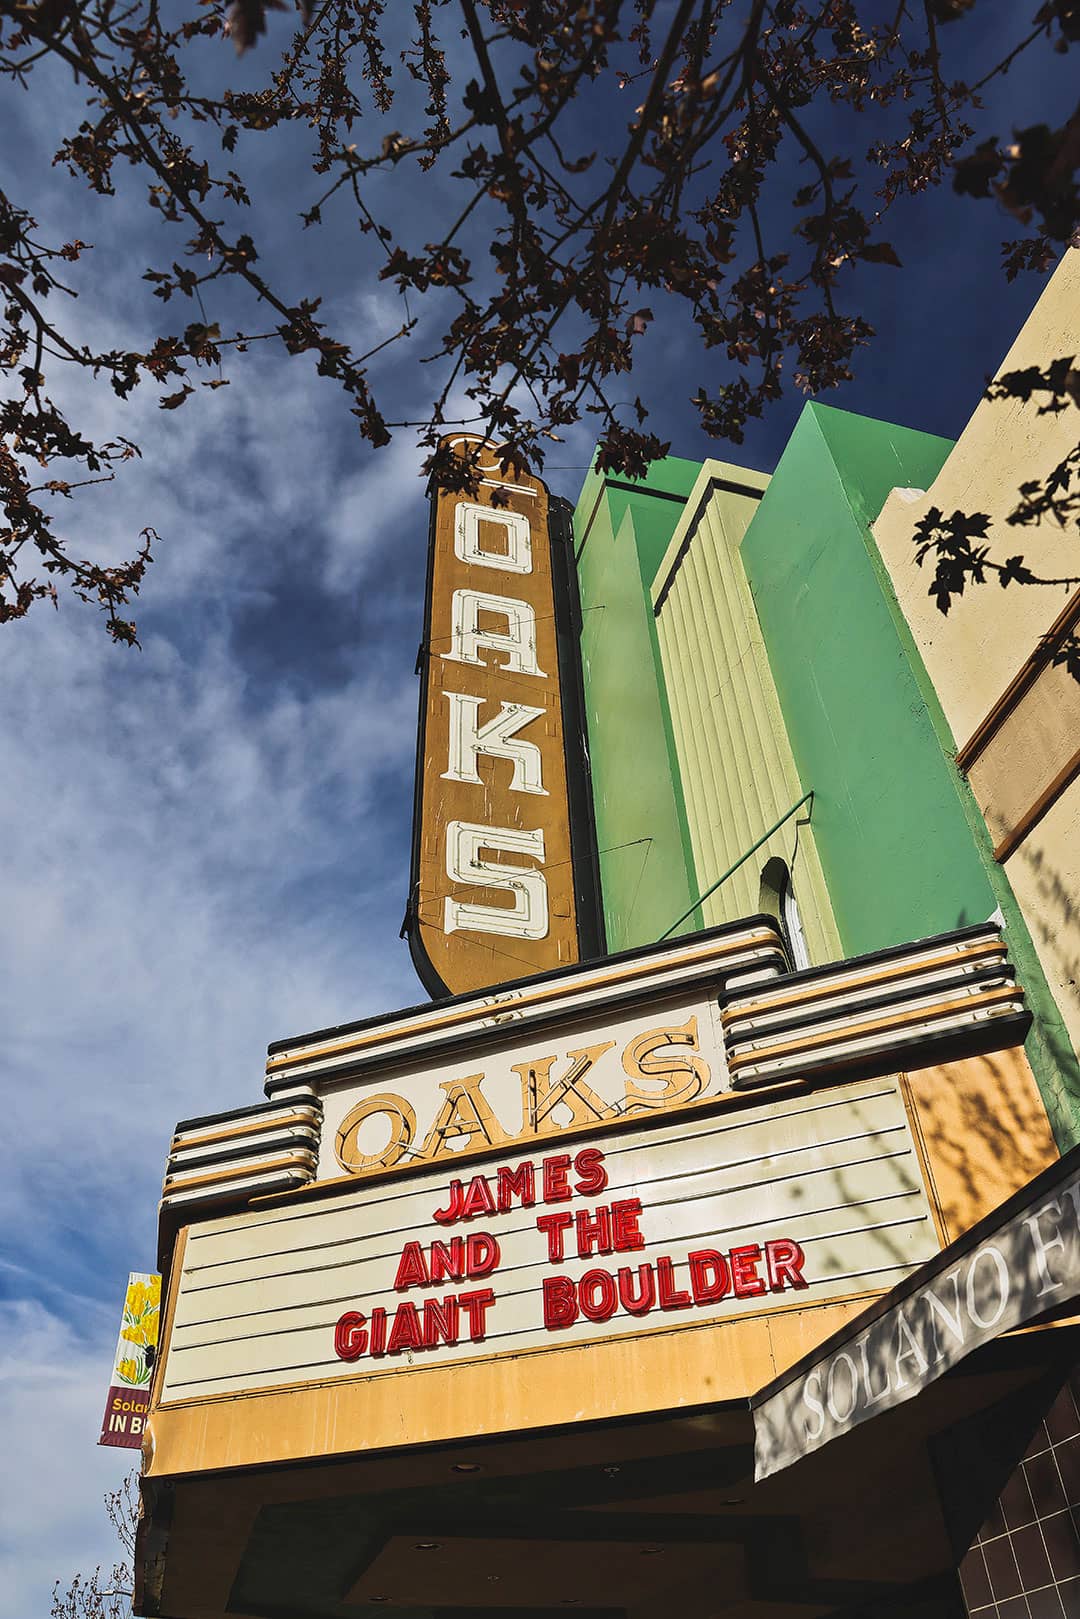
{"x":651,"y":1516}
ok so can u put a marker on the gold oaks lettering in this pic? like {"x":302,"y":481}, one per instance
{"x":663,"y":1069}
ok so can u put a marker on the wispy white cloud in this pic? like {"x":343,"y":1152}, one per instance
{"x":52,"y":1522}
{"x":205,"y":848}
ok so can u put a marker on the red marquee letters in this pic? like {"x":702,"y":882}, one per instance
{"x":747,"y":1271}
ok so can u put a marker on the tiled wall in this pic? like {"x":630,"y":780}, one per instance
{"x":1025,"y":1560}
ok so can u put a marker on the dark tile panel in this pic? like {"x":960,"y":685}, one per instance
{"x":975,"y":1580}
{"x":1045,"y":1604}
{"x":1031,"y":1558}
{"x":1063,"y":1545}
{"x":1024,"y":1562}
{"x":1044,"y":1483}
{"x":1016,"y":1504}
{"x":994,"y":1525}
{"x":1067,"y":1457}
{"x":1062,"y":1422}
{"x":1001,"y":1566}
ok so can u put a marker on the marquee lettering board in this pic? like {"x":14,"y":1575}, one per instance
{"x":799,"y":1199}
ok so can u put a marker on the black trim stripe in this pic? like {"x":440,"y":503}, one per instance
{"x":297,"y":1141}
{"x":637,"y":995}
{"x":929,"y":1045}
{"x":760,"y":922}
{"x":258,"y":1110}
{"x":852,"y":1011}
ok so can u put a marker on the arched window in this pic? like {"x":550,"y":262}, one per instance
{"x":777,"y":898}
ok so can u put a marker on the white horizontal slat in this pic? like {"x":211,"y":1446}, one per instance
{"x":804,"y":1060}
{"x":594,"y":988}
{"x":301,"y":1136}
{"x":916,"y":991}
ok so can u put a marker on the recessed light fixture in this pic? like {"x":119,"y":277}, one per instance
{"x":613,"y":1471}
{"x":466,"y":1467}
{"x":652,"y":1551}
{"x":427,"y":1546}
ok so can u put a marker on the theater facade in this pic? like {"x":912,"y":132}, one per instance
{"x":709,"y":1240}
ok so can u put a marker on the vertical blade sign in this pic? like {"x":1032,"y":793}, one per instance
{"x":493,"y":896}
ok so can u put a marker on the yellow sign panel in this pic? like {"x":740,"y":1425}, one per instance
{"x":133,"y":1363}
{"x":493,"y":864}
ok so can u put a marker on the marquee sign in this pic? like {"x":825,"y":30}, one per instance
{"x":682,"y":1218}
{"x":469,"y":1193}
{"x":501,"y":882}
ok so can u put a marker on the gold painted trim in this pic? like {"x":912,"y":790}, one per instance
{"x":542,"y":995}
{"x":922,"y":1154}
{"x":968,"y":1003}
{"x":183,"y":1142}
{"x":1020,"y":684}
{"x":826,"y":989}
{"x":621,"y":1378}
{"x":243,"y":1169}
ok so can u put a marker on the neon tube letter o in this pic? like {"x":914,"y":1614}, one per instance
{"x":402,"y":1129}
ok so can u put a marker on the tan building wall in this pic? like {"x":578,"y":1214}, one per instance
{"x":737,"y":770}
{"x":1014,"y":716}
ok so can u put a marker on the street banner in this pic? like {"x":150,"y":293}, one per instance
{"x":133,"y":1363}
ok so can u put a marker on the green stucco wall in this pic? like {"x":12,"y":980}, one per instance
{"x":903,"y":847}
{"x":891,"y":832}
{"x":621,"y":534}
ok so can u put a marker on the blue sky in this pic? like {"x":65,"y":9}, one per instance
{"x":206,"y":842}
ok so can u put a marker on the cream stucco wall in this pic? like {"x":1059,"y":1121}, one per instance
{"x":1045,"y":874}
{"x":972,"y":654}
{"x":1014,"y":717}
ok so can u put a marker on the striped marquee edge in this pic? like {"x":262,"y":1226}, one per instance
{"x":231,"y":1157}
{"x":743,"y":953}
{"x":903,"y":1007}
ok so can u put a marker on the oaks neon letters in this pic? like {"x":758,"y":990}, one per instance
{"x":498,"y":867}
{"x":662,"y":1068}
